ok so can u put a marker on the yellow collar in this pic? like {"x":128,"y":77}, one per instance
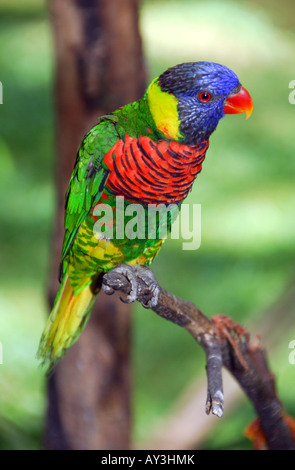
{"x":163,"y":107}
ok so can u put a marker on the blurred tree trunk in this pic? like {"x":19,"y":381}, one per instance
{"x":99,"y":67}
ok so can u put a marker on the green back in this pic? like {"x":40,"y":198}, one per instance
{"x":90,"y":173}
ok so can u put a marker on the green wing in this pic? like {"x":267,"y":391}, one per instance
{"x":88,"y":178}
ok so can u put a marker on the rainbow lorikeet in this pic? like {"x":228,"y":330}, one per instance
{"x":147,"y":152}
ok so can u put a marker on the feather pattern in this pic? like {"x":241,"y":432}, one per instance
{"x":147,"y":152}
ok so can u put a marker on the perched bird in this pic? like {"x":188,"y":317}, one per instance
{"x":147,"y":152}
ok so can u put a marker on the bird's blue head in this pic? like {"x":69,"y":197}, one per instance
{"x":188,"y":100}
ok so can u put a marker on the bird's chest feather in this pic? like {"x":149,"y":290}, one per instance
{"x":147,"y":172}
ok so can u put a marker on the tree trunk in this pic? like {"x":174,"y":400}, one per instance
{"x":99,"y":67}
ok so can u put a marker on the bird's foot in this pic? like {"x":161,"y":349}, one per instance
{"x":143,"y":284}
{"x":234,"y":333}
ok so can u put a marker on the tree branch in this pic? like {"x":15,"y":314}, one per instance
{"x":226,"y":344}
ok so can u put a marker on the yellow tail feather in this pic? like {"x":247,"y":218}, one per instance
{"x":65,"y":323}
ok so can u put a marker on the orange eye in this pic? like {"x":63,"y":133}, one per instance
{"x":204,"y":96}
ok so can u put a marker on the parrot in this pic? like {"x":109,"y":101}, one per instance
{"x":147,"y":152}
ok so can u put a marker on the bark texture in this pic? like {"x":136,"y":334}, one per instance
{"x":99,"y":67}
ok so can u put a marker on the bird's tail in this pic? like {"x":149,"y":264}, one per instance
{"x":66,"y":321}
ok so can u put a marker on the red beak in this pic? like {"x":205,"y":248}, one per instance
{"x":240,"y":102}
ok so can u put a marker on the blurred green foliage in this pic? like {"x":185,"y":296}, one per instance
{"x":246,"y":190}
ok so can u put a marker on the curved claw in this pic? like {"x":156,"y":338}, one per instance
{"x":128,"y":272}
{"x":153,"y":301}
{"x":108,"y":290}
{"x":130,"y":297}
{"x":147,"y":289}
{"x":148,"y":277}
